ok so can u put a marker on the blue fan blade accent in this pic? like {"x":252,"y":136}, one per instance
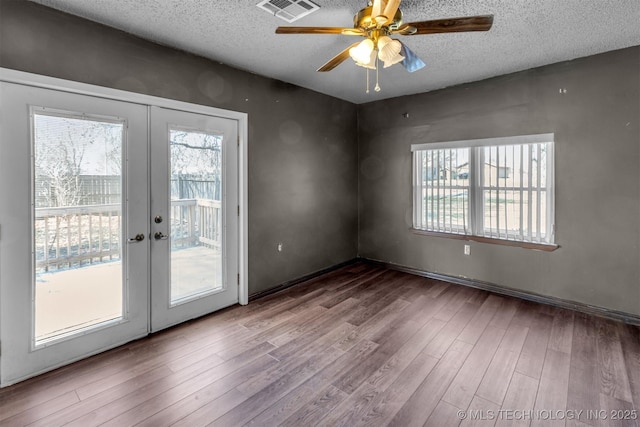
{"x":411,"y":61}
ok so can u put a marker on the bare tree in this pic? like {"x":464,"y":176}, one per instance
{"x":65,"y":149}
{"x":196,"y":158}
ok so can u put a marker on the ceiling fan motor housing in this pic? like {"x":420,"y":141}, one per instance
{"x":364,"y":20}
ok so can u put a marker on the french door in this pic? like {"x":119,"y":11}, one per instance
{"x":194,"y":206}
{"x":116,"y":219}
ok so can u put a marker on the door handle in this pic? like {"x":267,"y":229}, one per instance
{"x":139,"y":238}
{"x":159,"y":236}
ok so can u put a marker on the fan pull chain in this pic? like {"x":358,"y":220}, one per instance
{"x":367,"y":70}
{"x":377,"y":88}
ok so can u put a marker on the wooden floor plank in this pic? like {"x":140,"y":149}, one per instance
{"x":445,"y":414}
{"x":312,"y":413}
{"x":525,"y":313}
{"x":479,"y":322}
{"x":46,"y":387}
{"x":481,"y":413}
{"x":203,"y":415}
{"x":376,"y":323}
{"x":399,"y":361}
{"x":289,"y":364}
{"x":433,"y":288}
{"x":271,"y":394}
{"x":553,"y":388}
{"x":275,"y":414}
{"x":519,"y":400}
{"x":461,"y":391}
{"x":506,"y":313}
{"x":498,"y":375}
{"x":329,"y":396}
{"x":41,"y":411}
{"x":376,"y":302}
{"x":185,"y":381}
{"x":535,"y":346}
{"x":514,"y":338}
{"x":614,"y":381}
{"x":426,"y":397}
{"x":238,"y":343}
{"x":324,"y":282}
{"x":630,"y":339}
{"x":95,"y":403}
{"x":305,"y":336}
{"x":584,"y":376}
{"x":495,"y":382}
{"x":345,"y":363}
{"x":176,"y":402}
{"x":351,"y":380}
{"x":453,"y":306}
{"x":360,"y":346}
{"x":356,"y":288}
{"x":441,"y":343}
{"x":359,"y":404}
{"x":561,"y":334}
{"x":380,"y":407}
{"x":398,"y":331}
{"x":616,"y":413}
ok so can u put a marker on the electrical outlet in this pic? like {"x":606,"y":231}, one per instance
{"x":279,"y":247}
{"x":467,"y":249}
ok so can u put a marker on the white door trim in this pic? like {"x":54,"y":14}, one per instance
{"x":29,"y":79}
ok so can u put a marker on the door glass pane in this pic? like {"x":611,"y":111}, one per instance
{"x":77,"y":223}
{"x":196,"y":214}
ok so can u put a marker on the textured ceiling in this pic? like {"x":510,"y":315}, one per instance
{"x":525,"y":34}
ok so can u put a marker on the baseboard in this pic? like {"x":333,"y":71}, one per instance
{"x":290,"y":283}
{"x":503,"y":290}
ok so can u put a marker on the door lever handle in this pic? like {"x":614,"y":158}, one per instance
{"x":159,"y":236}
{"x":139,"y":238}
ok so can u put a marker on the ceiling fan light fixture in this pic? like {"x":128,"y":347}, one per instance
{"x":362,"y":53}
{"x":383,"y":41}
{"x":389,"y":51}
{"x":375,"y":23}
{"x":370,"y":63}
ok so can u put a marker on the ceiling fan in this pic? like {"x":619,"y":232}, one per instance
{"x":376,"y":23}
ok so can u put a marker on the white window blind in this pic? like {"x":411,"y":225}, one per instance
{"x":498,"y":188}
{"x":442,"y":190}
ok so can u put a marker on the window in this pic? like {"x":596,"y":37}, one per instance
{"x":498,"y":188}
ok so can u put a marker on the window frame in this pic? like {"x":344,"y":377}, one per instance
{"x":477,"y":185}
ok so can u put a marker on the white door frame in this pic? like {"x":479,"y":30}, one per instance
{"x":29,"y":79}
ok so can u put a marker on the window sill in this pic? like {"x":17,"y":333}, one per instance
{"x":527,"y":245}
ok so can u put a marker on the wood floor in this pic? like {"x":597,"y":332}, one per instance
{"x":360,"y":346}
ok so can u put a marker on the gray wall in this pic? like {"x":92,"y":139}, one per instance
{"x":302,"y":144}
{"x":597,"y":145}
{"x":303,"y":183}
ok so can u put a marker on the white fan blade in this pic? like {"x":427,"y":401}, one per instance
{"x":390,"y":9}
{"x":378,"y":8}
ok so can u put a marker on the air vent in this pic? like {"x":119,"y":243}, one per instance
{"x":289,"y":10}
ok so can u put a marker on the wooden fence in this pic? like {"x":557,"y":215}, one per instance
{"x":196,"y":222}
{"x":79,"y":235}
{"x":84,"y":189}
{"x":103,"y":190}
